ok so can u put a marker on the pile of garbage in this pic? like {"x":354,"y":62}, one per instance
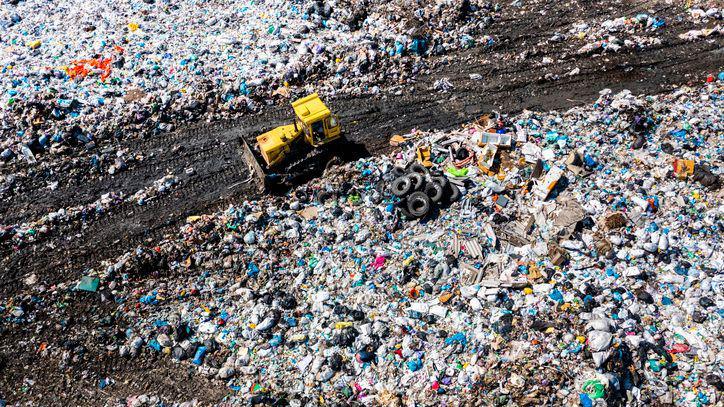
{"x":143,"y":67}
{"x":613,"y":35}
{"x":582,"y":264}
{"x":419,"y":189}
{"x":709,"y":18}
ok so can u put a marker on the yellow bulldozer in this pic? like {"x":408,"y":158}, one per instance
{"x":287,"y":153}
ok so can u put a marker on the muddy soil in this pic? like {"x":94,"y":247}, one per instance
{"x":510,"y":83}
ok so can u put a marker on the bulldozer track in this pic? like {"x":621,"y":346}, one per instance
{"x":188,"y":185}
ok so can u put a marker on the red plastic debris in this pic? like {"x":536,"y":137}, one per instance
{"x":83,"y":67}
{"x":680,"y":348}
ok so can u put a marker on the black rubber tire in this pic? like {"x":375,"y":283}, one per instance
{"x":454,"y":193}
{"x":418,"y":204}
{"x":418,"y":181}
{"x":397,"y":172}
{"x":402,"y":186}
{"x":323,"y":196}
{"x":434,"y":191}
{"x":442,"y":180}
{"x":418,"y":168}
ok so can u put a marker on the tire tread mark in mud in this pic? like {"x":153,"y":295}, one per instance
{"x":229,"y":173}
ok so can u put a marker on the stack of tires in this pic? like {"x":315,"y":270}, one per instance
{"x":420,"y":189}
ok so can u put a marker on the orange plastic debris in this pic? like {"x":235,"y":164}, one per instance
{"x":683,"y":168}
{"x":82,"y":67}
{"x":396,"y":140}
{"x":414,"y":293}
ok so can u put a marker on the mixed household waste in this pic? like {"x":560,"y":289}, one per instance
{"x":130,"y":68}
{"x":565,"y":258}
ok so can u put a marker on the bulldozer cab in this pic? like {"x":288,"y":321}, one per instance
{"x":317,"y":122}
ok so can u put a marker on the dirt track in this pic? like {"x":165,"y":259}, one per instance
{"x":509,"y":84}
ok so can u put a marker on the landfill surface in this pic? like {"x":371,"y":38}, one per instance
{"x":531,"y":212}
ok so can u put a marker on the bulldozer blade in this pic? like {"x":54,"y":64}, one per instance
{"x":248,"y":155}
